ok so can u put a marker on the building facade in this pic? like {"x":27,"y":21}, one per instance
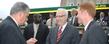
{"x":76,"y":2}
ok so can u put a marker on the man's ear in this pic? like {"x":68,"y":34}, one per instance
{"x":85,"y":11}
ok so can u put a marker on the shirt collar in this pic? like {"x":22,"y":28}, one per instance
{"x":63,"y":27}
{"x":35,"y":23}
{"x":14,"y":20}
{"x":86,"y":26}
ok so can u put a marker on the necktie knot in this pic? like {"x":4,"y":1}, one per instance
{"x":60,"y":28}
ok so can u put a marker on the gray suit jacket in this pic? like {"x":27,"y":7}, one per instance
{"x":94,"y":34}
{"x":70,"y":35}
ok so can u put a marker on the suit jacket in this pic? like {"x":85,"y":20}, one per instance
{"x":10,"y":33}
{"x":73,"y":21}
{"x":70,"y":35}
{"x":94,"y":34}
{"x":41,"y":33}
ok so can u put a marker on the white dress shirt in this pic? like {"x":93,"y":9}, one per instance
{"x":14,"y":20}
{"x":35,"y":26}
{"x":63,"y":27}
{"x":86,"y":26}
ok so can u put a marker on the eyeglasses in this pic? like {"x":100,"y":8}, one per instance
{"x":60,"y":16}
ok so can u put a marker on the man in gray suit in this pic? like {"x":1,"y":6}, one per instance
{"x":94,"y":33}
{"x":64,"y":33}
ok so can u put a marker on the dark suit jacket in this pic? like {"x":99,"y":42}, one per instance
{"x":10,"y":33}
{"x":41,"y":33}
{"x":70,"y":35}
{"x":75,"y":22}
{"x":94,"y":34}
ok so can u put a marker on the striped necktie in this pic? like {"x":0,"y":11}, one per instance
{"x":59,"y":34}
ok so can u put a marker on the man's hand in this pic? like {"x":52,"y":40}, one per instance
{"x":31,"y":41}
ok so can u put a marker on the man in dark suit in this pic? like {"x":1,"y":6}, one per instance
{"x":64,"y":33}
{"x":73,"y":20}
{"x":94,"y":33}
{"x":10,"y":32}
{"x":41,"y":31}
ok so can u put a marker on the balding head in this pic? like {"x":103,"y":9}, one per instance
{"x":62,"y":11}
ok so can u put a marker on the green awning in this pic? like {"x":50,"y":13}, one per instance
{"x":50,"y":9}
{"x":69,"y":8}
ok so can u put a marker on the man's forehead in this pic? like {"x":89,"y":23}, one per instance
{"x":60,"y":13}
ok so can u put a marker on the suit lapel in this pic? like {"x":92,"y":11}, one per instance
{"x":64,"y":32}
{"x":92,"y":22}
{"x":85,"y":35}
{"x":18,"y":30}
{"x":55,"y":34}
{"x":38,"y":31}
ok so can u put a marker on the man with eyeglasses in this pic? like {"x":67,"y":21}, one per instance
{"x":64,"y":33}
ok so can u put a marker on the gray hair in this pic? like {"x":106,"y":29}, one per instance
{"x":63,"y":10}
{"x":19,"y":6}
